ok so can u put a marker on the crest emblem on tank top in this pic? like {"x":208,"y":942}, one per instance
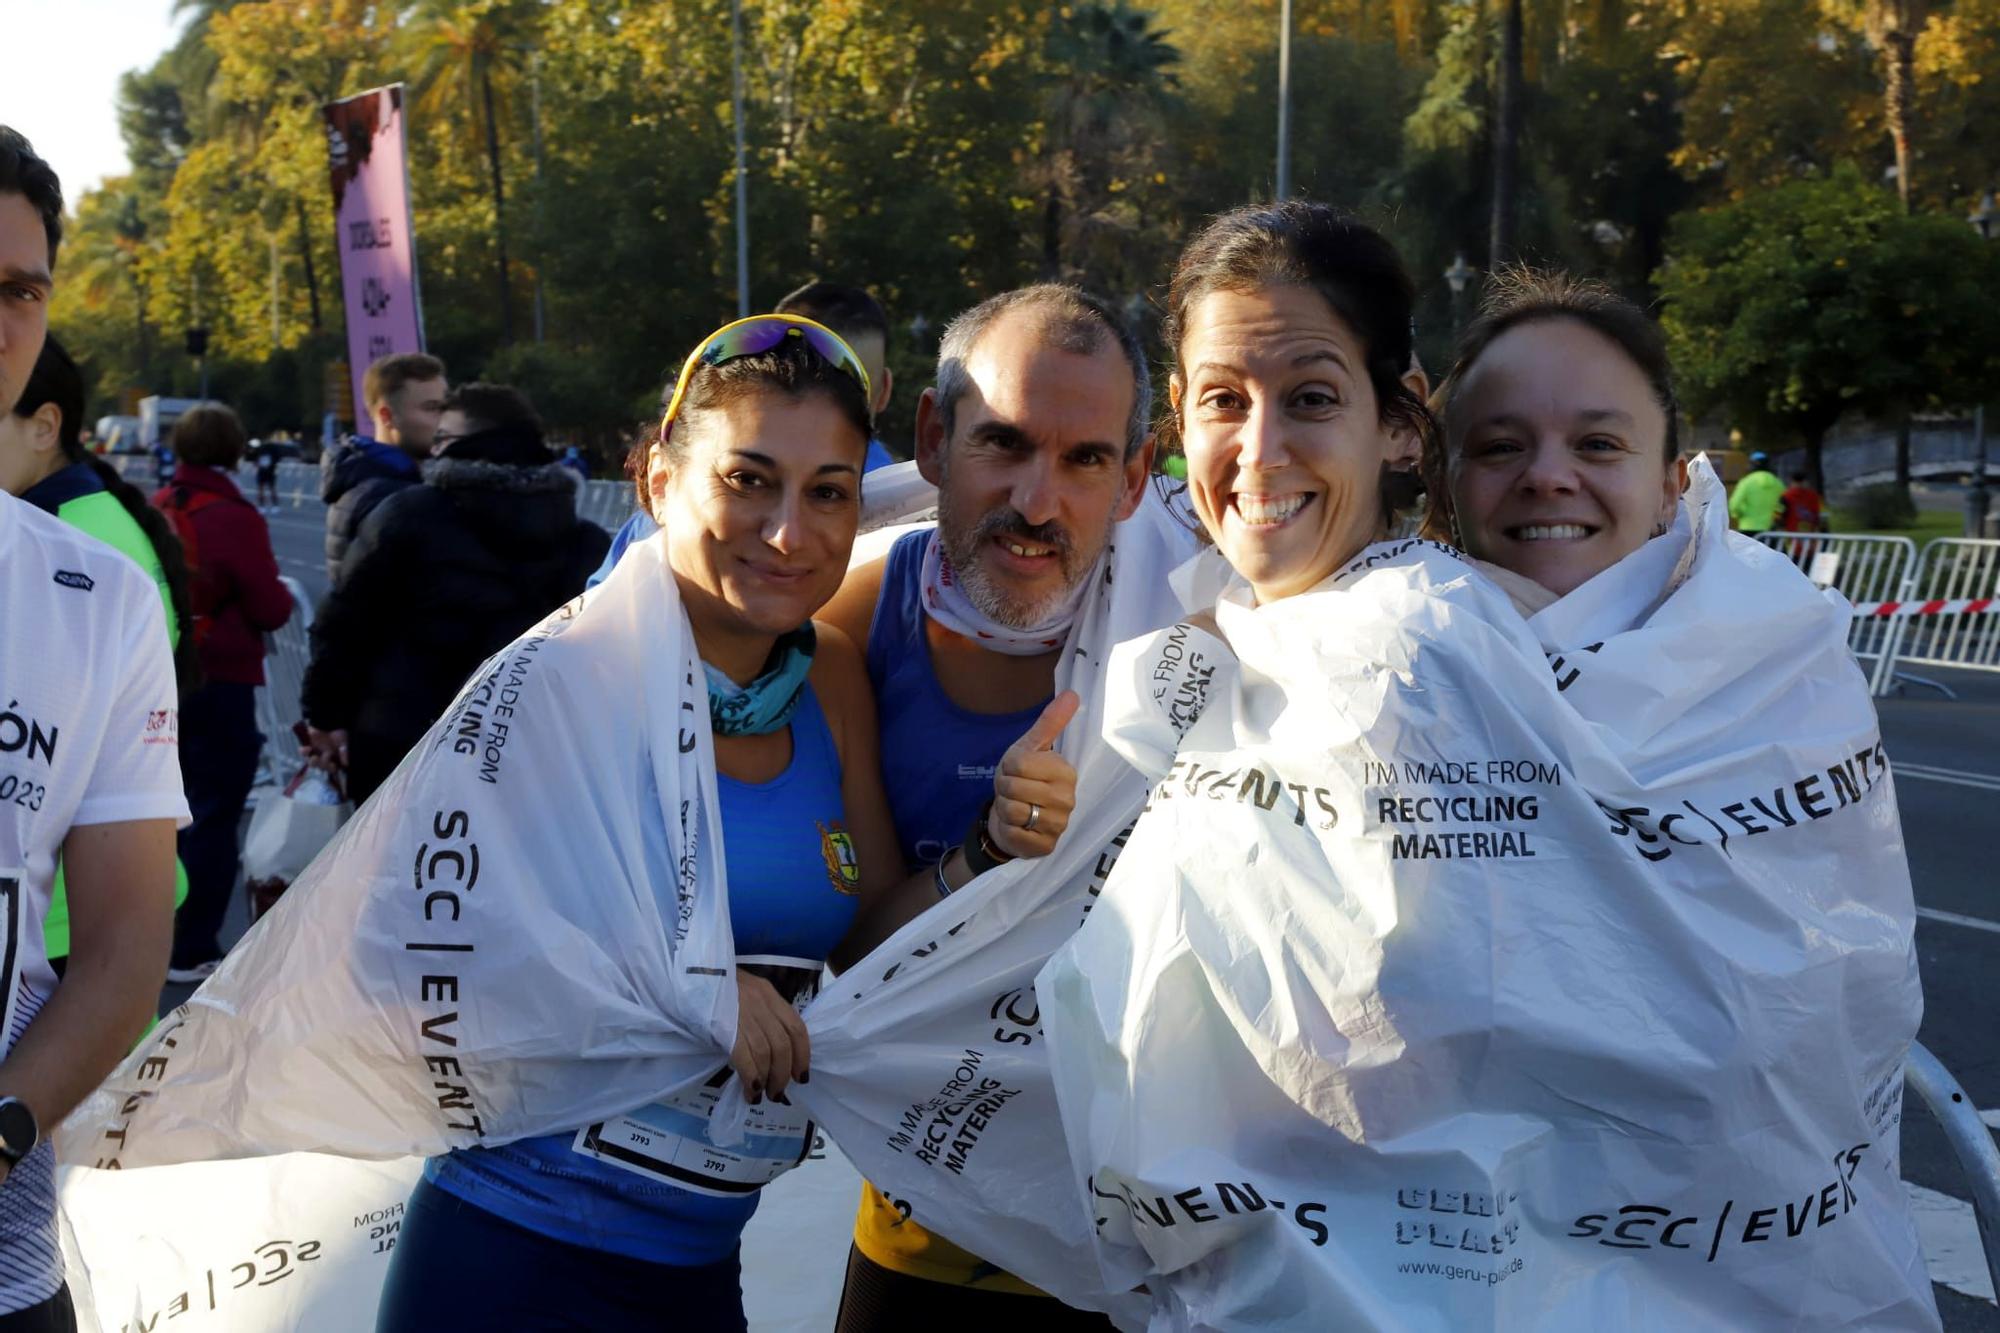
{"x":843,"y":868}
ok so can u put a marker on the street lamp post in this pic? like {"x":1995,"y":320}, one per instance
{"x":1458,"y":275}
{"x":1986,"y":221}
{"x":1285,"y":100}
{"x":535,"y":116}
{"x":742,"y":182}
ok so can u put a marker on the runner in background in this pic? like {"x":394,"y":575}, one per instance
{"x":1753,"y":504}
{"x":87,"y":774}
{"x":854,"y":314}
{"x":759,"y":476}
{"x":1036,"y":438}
{"x":43,"y":461}
{"x":1800,"y":508}
{"x":266,"y":461}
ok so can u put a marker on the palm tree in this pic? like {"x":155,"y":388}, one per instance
{"x":462,"y":51}
{"x":109,"y":254}
{"x":1109,"y":67}
{"x":1892,"y":27}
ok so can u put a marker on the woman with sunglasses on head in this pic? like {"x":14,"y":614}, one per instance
{"x":757,"y":484}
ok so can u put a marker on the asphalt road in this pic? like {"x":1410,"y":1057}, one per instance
{"x":1946,"y":755}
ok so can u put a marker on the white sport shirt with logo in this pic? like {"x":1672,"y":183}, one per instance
{"x":89,"y":734}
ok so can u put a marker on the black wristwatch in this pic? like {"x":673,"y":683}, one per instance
{"x":18,"y":1131}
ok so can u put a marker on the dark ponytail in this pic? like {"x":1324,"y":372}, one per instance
{"x":57,"y":379}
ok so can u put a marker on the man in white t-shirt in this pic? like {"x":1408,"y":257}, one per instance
{"x":90,"y":773}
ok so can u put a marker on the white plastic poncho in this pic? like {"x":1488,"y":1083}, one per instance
{"x":928,"y":1066}
{"x":1468,"y":972}
{"x":526,"y":931}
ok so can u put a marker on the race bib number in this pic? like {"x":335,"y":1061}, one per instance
{"x":668,"y":1140}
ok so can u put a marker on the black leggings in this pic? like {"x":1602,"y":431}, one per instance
{"x":457,"y":1266}
{"x":54,"y":1315}
{"x":881,"y":1300}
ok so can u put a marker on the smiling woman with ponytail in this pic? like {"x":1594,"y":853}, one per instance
{"x":43,"y":461}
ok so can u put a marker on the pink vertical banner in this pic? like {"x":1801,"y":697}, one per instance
{"x":378,"y":249}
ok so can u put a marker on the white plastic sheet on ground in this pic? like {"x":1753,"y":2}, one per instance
{"x":302,"y":1243}
{"x":1468,"y":972}
{"x":294,"y":1243}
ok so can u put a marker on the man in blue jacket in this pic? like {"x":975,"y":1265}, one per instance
{"x":404,"y":394}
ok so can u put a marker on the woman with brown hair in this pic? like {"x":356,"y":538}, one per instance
{"x":235,"y":597}
{"x":1560,"y":454}
{"x":1482,"y":947}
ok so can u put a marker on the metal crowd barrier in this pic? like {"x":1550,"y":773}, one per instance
{"x":1951,"y":615}
{"x":1867,"y":570}
{"x":287,"y":650}
{"x":298,"y":483}
{"x":1970,"y":1139}
{"x":606,"y":503}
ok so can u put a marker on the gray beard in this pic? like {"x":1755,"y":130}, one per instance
{"x":998,"y":602}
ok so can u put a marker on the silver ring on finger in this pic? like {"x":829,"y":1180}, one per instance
{"x":1034,"y":817}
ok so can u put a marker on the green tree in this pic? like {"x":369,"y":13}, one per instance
{"x":1109,"y":76}
{"x":1958,"y":84}
{"x":463,"y":52}
{"x":1790,"y":308}
{"x":937,"y":153}
{"x":1769,"y":93}
{"x":1892,"y":29}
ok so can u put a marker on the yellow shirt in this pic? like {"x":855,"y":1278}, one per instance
{"x":884,"y":1233}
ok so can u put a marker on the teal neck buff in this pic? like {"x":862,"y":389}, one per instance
{"x":767,"y":703}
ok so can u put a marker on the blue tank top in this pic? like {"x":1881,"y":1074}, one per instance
{"x":937,"y":758}
{"x":791,"y":894}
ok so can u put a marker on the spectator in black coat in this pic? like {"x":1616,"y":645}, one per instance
{"x":440,"y":577}
{"x":405,"y":396}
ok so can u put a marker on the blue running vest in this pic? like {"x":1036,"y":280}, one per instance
{"x":791,"y":893}
{"x":937,"y":759}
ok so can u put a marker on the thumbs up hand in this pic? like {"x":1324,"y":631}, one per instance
{"x":1034,"y":791}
